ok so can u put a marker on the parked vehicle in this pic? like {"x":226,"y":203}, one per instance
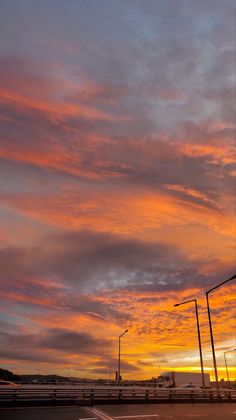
{"x":176,"y":379}
{"x":8,"y":384}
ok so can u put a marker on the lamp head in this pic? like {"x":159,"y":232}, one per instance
{"x":123,"y":333}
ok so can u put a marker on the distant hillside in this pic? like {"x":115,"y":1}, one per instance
{"x":44,"y":378}
{"x":7,"y":375}
{"x":10,"y":376}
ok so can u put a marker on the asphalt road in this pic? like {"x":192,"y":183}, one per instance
{"x":123,"y":412}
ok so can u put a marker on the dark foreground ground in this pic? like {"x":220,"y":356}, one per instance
{"x":123,"y":412}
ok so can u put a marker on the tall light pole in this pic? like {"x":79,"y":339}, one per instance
{"x":210,"y":326}
{"x":199,"y":337}
{"x":119,"y":355}
{"x":226,"y":366}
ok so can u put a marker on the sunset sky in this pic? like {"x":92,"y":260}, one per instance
{"x":117,"y":184}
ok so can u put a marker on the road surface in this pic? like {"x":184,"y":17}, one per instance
{"x":214,"y":411}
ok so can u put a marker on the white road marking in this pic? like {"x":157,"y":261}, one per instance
{"x":100,"y":414}
{"x":137,"y":416}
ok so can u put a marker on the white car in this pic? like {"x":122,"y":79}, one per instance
{"x":8,"y":384}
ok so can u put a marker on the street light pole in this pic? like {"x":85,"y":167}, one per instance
{"x":119,"y":355}
{"x":210,"y":326}
{"x":226,"y":366}
{"x":212,"y":342}
{"x":199,"y":337}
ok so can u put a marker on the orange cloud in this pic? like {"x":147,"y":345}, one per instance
{"x":55,"y":109}
{"x":144,"y":215}
{"x":216,"y":153}
{"x":159,"y":335}
{"x":188,"y":191}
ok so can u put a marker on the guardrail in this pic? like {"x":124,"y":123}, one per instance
{"x":26,"y":396}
